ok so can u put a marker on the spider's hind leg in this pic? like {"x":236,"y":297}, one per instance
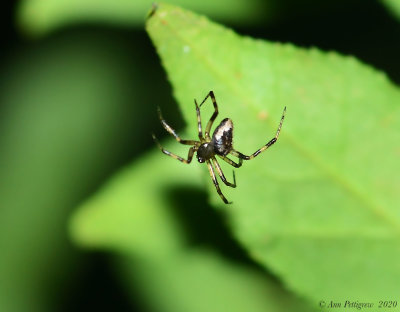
{"x":186,"y":161}
{"x":262,"y":149}
{"x":172,"y":131}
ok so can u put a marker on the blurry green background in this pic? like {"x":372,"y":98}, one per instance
{"x":78,"y":103}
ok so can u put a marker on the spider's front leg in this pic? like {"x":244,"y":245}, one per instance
{"x":186,"y":161}
{"x":199,"y":127}
{"x":214,"y":115}
{"x":221,"y":174}
{"x":231,"y":162}
{"x":214,"y":178}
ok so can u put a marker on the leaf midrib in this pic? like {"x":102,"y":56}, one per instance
{"x":349,"y":187}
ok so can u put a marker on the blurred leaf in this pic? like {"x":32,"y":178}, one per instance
{"x":204,"y":281}
{"x":321,"y":208}
{"x":131,"y":213}
{"x":136,"y":214}
{"x":64,"y":116}
{"x":393,"y":6}
{"x":39,"y":17}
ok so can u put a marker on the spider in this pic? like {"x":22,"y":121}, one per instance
{"x":220,"y":144}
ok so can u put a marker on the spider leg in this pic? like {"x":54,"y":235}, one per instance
{"x":172,"y":131}
{"x":214,"y":115}
{"x":221,"y":174}
{"x":186,"y":161}
{"x":214,"y":178}
{"x":231,"y":162}
{"x":199,"y":128}
{"x":262,"y":149}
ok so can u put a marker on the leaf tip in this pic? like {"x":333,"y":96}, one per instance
{"x":154,"y":8}
{"x":80,"y":227}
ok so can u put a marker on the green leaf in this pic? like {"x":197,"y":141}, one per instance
{"x":38,"y":17}
{"x":62,"y":105}
{"x":137,"y":215}
{"x":321,"y":207}
{"x":204,"y":281}
{"x":129,"y":214}
{"x":393,"y":6}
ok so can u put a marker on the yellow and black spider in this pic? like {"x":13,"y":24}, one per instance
{"x":219,"y":144}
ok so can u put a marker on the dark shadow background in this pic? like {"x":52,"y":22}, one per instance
{"x":360,"y":28}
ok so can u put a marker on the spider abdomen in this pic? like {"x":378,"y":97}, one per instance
{"x":222,"y":137}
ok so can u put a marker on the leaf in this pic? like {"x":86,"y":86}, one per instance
{"x":136,"y":196}
{"x":204,"y":281}
{"x":139,"y":215}
{"x":57,"y":99}
{"x":38,"y":17}
{"x":393,"y":6}
{"x":320,"y":208}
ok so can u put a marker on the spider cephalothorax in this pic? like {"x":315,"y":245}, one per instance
{"x":220,"y":144}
